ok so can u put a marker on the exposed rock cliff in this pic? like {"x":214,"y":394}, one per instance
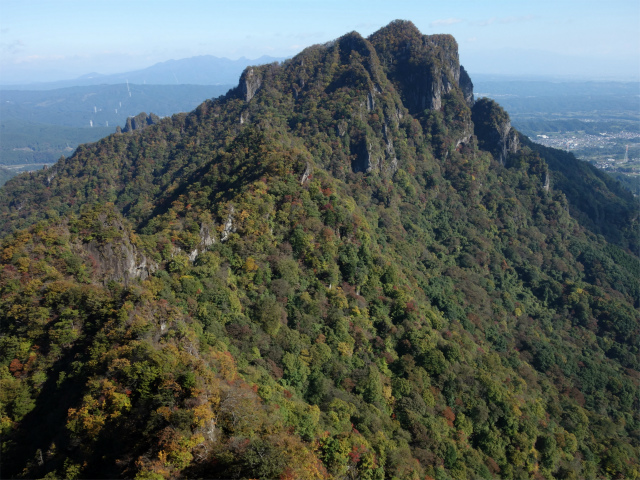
{"x":250,"y":82}
{"x":466,"y":85}
{"x":493,"y":129}
{"x":422,"y":67}
{"x":140,"y":121}
{"x":115,"y":256}
{"x":395,"y":71}
{"x":207,"y":239}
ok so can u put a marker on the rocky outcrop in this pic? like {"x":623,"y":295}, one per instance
{"x":466,"y":85}
{"x":120,"y":261}
{"x":423,"y":68}
{"x":390,"y":153}
{"x":250,"y":83}
{"x":493,"y":129}
{"x":50,"y":175}
{"x":118,"y":258}
{"x":140,"y":121}
{"x":370,"y":157}
{"x":546,"y":180}
{"x":206,"y":240}
{"x":363,"y":161}
{"x":371,"y":103}
{"x":229,"y":227}
{"x":512,"y":144}
{"x":306,"y":174}
{"x":465,"y":139}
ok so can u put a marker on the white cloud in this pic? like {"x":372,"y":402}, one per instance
{"x":13,"y":47}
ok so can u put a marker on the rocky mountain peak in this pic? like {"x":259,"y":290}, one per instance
{"x":422,"y":67}
{"x":404,"y":29}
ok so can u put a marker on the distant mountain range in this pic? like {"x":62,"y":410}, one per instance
{"x":201,"y":70}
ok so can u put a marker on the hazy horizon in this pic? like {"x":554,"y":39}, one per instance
{"x":499,"y":74}
{"x":50,"y":41}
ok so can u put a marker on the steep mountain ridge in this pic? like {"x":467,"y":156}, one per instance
{"x":363,"y":79}
{"x":423,"y":68}
{"x":351,"y":270}
{"x":367,"y":148}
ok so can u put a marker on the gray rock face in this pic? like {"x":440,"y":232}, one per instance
{"x":423,"y":68}
{"x":465,"y":139}
{"x":250,"y":83}
{"x":305,"y":174}
{"x":122,"y":262}
{"x":466,"y":85}
{"x":229,"y":227}
{"x":370,"y":102}
{"x":206,"y":240}
{"x":120,"y":259}
{"x":362,"y":161}
{"x":512,"y":142}
{"x":392,"y":160}
{"x":140,"y":121}
{"x":445,"y":66}
{"x":51,"y":174}
{"x":426,"y":92}
{"x":507,"y":143}
{"x":493,"y":129}
{"x":341,"y":128}
{"x":502,"y":147}
{"x":371,"y":157}
{"x":547,"y":181}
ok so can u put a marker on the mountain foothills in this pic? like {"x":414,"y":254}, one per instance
{"x":343,"y":268}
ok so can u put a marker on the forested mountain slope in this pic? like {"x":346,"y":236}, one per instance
{"x":344,"y":268}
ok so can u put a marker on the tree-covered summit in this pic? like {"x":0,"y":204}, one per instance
{"x":344,"y":268}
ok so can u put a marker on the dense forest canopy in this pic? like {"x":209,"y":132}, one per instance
{"x":343,"y":268}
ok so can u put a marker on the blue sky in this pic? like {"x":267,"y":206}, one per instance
{"x":60,"y":39}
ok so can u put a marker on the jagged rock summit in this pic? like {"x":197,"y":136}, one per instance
{"x":422,"y":67}
{"x":394,"y":72}
{"x":395,"y":100}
